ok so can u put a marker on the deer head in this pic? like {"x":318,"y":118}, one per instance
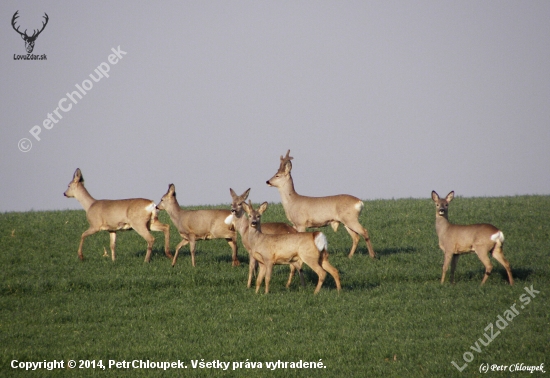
{"x":29,"y":40}
{"x":283,"y":172}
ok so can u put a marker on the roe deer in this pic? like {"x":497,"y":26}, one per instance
{"x":196,"y":225}
{"x":112,"y":215}
{"x":455,"y":239}
{"x":304,"y":212}
{"x":241,"y":225}
{"x":294,"y":249}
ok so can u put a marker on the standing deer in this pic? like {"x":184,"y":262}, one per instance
{"x":294,"y":249}
{"x":304,"y":212}
{"x":455,"y":239}
{"x":113,"y":215}
{"x":196,"y":225}
{"x":240,"y":223}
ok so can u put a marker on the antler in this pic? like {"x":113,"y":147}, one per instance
{"x":286,"y":158}
{"x":36,"y":32}
{"x":15,"y":17}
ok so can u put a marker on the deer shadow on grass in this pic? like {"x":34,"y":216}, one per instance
{"x":229,"y":259}
{"x":395,"y":251}
{"x":155,"y":253}
{"x":312,"y":278}
{"x":520,"y":274}
{"x":379,"y":252}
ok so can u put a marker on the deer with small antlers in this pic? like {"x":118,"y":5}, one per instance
{"x":29,"y":40}
{"x":114,"y":215}
{"x":292,"y":249}
{"x":196,"y":225}
{"x":240,"y":222}
{"x":304,"y":212}
{"x":455,"y":239}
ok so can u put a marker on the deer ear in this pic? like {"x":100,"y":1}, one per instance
{"x":245,"y":194}
{"x":262,"y":208}
{"x":77,"y":177}
{"x":171,"y":188}
{"x":287,"y":167}
{"x":247,"y":208}
{"x":450,"y":196}
{"x":232,"y":192}
{"x":435,"y":196}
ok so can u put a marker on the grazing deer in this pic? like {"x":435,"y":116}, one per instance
{"x":113,"y":215}
{"x":241,"y":225}
{"x":196,"y":225}
{"x":294,"y":249}
{"x":304,"y":212}
{"x":456,"y":239}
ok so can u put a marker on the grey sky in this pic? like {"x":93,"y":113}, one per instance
{"x":374,"y":99}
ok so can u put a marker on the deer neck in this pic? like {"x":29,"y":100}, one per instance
{"x":287,"y":192}
{"x":441,"y":224}
{"x":253,"y":235}
{"x":83,"y":196}
{"x":241,"y":224}
{"x":174,"y":210}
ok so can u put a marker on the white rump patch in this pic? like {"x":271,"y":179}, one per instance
{"x":499,"y":236}
{"x":321,"y":241}
{"x":359,"y":206}
{"x":229,"y":220}
{"x":151,"y":207}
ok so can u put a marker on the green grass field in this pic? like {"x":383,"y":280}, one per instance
{"x":391,"y":319}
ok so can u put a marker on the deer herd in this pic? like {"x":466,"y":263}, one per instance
{"x":270,"y":244}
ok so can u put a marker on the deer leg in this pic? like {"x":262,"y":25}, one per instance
{"x":454,"y":261}
{"x":192,"y":243}
{"x":446,"y":263}
{"x":332,"y":270}
{"x":165,"y":228}
{"x":483,"y":255}
{"x":85,"y":234}
{"x":112,"y":237}
{"x":322,"y":275}
{"x":233,"y":244}
{"x":251,"y":267}
{"x":355,"y":228}
{"x":268,"y":272}
{"x":313,"y":263}
{"x":183,"y":242}
{"x":499,"y":256}
{"x":145,"y":234}
{"x":354,"y":239}
{"x":261,"y":275}
{"x":292,"y":270}
{"x":302,"y":280}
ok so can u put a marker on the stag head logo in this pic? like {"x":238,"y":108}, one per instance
{"x":29,"y":39}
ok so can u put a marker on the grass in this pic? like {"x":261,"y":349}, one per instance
{"x":392,"y":318}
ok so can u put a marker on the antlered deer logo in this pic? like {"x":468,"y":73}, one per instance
{"x":29,"y":40}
